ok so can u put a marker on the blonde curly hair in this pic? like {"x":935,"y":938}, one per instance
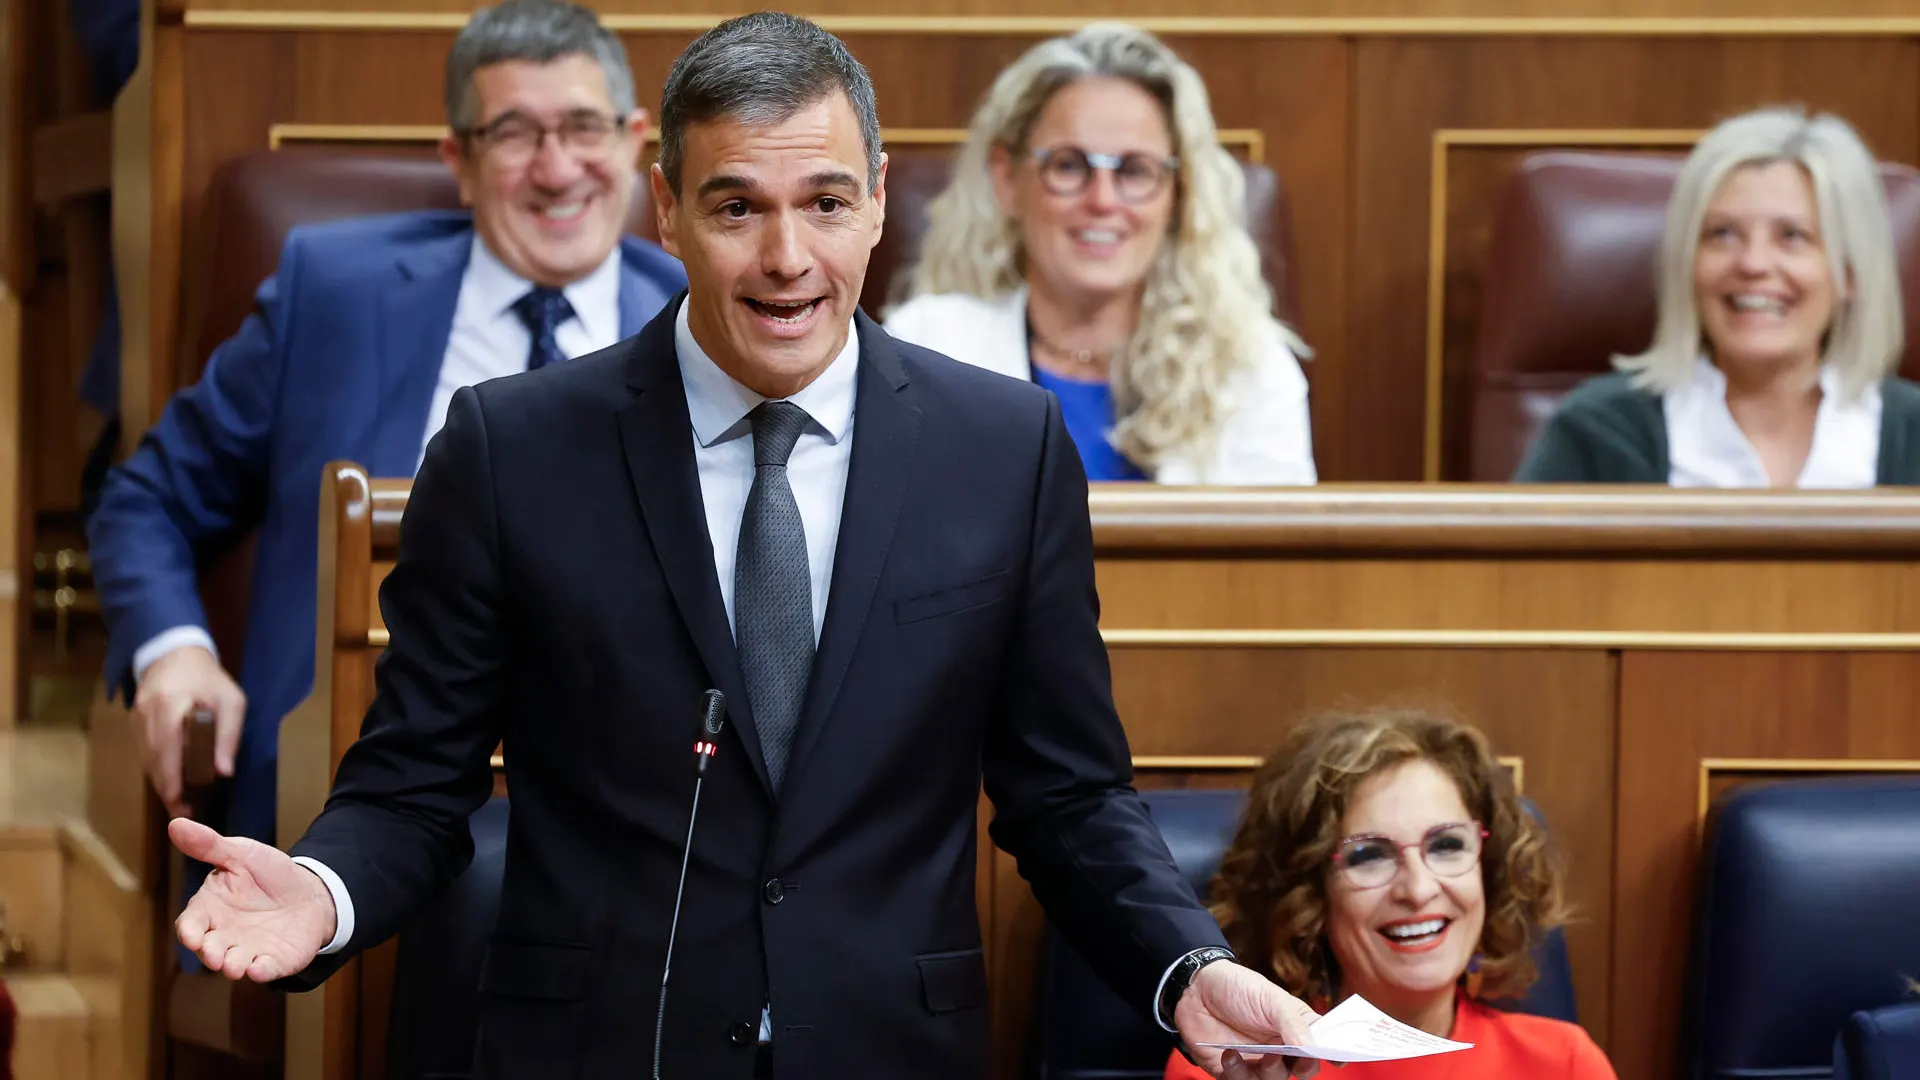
{"x":1206,"y":314}
{"x":1270,"y":896}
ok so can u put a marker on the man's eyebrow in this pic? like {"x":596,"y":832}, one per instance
{"x":724,"y":182}
{"x":839,"y":178}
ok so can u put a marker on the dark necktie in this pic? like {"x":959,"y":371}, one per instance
{"x":543,"y":309}
{"x":773,"y":589}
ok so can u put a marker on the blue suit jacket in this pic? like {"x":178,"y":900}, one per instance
{"x":338,"y":361}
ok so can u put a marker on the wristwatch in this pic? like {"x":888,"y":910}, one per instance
{"x":1181,"y":977}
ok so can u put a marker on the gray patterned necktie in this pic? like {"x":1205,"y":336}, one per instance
{"x":773,"y":589}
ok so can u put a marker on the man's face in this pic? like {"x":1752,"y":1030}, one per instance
{"x":550,"y":168}
{"x":775,"y":224}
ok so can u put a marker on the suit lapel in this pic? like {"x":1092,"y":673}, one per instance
{"x":416,"y":319}
{"x":658,"y":438}
{"x":886,"y":434}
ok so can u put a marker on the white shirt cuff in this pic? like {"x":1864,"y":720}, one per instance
{"x":166,"y":641}
{"x":342,"y":903}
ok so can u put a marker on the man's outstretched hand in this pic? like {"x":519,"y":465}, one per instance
{"x":259,"y":915}
{"x":1227,"y":1003}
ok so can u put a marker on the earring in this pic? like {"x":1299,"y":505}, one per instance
{"x":1471,"y":984}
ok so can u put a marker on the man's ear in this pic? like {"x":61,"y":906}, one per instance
{"x":453,"y":154}
{"x":879,"y":201}
{"x":664,"y":204}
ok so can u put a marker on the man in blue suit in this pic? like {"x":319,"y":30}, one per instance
{"x":357,"y":344}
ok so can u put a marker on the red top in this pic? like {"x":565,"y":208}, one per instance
{"x":1505,"y":1045}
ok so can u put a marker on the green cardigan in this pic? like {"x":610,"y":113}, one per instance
{"x":1608,"y":432}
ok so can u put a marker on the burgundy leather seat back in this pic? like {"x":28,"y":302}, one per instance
{"x":916,"y":174}
{"x":1570,"y":283}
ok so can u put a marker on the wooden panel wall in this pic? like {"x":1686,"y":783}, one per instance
{"x":1692,"y":724}
{"x":1350,"y":113}
{"x":1132,"y":9}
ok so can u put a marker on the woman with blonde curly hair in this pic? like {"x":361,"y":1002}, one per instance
{"x":1386,"y":854}
{"x":1093,"y":240}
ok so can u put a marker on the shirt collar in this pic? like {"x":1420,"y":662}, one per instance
{"x":718,"y":405}
{"x":1709,"y":380}
{"x":595,"y":298}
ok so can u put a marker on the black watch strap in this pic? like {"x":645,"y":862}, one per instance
{"x":1181,"y":977}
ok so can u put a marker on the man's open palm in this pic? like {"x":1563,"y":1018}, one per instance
{"x":259,"y":915}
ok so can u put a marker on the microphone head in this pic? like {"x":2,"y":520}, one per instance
{"x":715,"y":717}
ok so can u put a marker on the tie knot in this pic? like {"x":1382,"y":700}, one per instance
{"x":776,"y":427}
{"x":542,"y":309}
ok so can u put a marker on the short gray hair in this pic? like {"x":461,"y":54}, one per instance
{"x":1866,"y":338}
{"x":762,"y":69}
{"x":539,"y":31}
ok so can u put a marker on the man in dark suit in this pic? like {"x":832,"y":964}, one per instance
{"x":881,"y":556}
{"x":355,"y":348}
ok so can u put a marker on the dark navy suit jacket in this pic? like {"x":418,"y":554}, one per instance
{"x":581,"y":622}
{"x":339,"y":361}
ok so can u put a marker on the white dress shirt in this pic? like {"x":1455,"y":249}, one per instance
{"x":488,"y":340}
{"x":1706,"y":448}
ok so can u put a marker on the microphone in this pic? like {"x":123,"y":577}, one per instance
{"x":713,"y":720}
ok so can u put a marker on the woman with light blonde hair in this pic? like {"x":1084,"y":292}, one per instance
{"x":1779,"y":329}
{"x":1093,"y":240}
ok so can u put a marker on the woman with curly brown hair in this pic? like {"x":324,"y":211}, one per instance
{"x":1386,"y":854}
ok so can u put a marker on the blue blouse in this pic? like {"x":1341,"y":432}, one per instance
{"x":1087,"y":408}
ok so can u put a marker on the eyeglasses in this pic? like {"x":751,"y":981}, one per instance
{"x":514,"y":138}
{"x":1450,"y":850}
{"x":1067,"y":170}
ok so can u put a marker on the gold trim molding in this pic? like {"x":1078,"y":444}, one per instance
{"x":1514,"y":764}
{"x":1252,"y":141}
{"x":1649,"y":640}
{"x":1202,"y":763}
{"x":1810,"y":766}
{"x":1273,"y":26}
{"x":1657,"y":640}
{"x":1445,"y":141}
{"x":1197,"y":762}
{"x":281,"y":134}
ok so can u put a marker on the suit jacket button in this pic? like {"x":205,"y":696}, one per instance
{"x":740,"y":1033}
{"x":774,"y":891}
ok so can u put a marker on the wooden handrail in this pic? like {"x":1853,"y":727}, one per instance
{"x":1466,"y":518}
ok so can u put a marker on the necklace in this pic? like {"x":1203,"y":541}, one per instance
{"x":1089,"y":360}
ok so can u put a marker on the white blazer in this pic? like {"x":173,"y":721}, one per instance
{"x":1265,"y":437}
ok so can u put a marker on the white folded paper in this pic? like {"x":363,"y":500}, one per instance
{"x":1355,"y":1030}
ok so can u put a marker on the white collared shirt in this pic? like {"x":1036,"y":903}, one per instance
{"x":723,"y":450}
{"x":1706,"y":448}
{"x":488,"y":341}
